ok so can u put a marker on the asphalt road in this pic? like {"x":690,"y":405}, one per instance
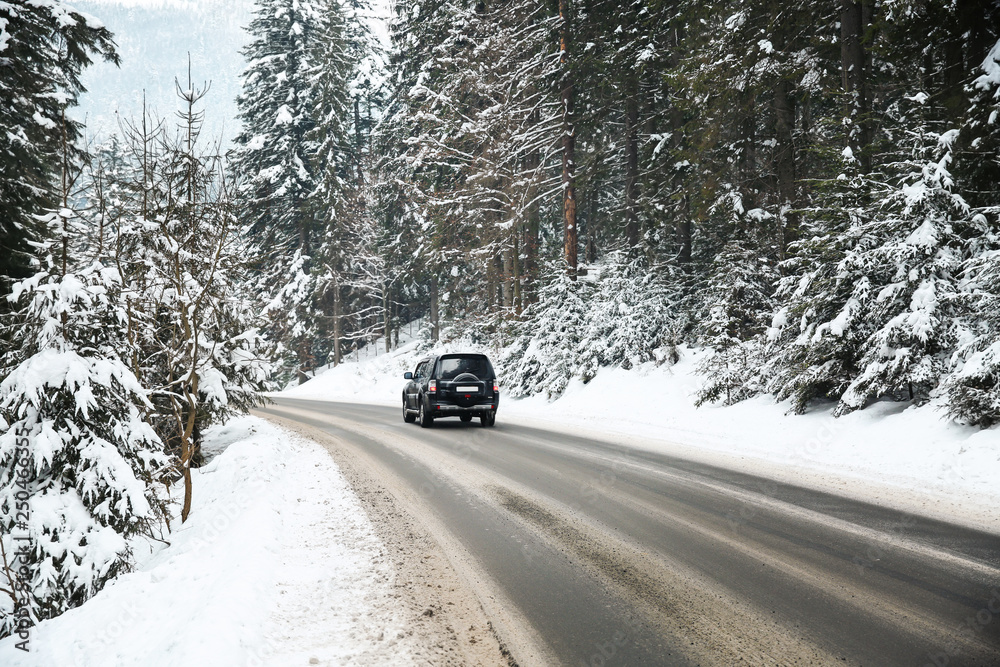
{"x":586,"y":552}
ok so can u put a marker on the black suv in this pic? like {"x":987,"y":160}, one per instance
{"x":452,"y":385}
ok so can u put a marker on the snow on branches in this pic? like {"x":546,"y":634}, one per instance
{"x":92,"y":454}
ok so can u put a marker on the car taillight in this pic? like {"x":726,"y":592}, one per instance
{"x":496,"y":387}
{"x":432,"y":387}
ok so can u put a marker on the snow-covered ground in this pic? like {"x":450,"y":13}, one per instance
{"x":277,"y":565}
{"x":896,"y":454}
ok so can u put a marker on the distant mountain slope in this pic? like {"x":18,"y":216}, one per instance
{"x":154,"y":38}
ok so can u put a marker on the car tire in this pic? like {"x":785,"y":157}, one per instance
{"x":489,"y":419}
{"x":426,"y":421}
{"x":408,"y":417}
{"x":466,"y":418}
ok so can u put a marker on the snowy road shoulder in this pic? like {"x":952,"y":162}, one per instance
{"x":278,"y":564}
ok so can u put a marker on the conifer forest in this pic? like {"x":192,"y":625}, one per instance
{"x":809,"y":189}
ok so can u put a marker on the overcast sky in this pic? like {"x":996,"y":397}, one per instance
{"x":154,"y":38}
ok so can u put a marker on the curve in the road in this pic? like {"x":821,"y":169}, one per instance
{"x":617,"y":556}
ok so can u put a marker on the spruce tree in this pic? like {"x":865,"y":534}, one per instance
{"x":80,"y":464}
{"x":44,"y":47}
{"x":973,"y":386}
{"x":273,"y":162}
{"x":872,"y":311}
{"x":541,"y":357}
{"x":738,"y":300}
{"x":298,"y":161}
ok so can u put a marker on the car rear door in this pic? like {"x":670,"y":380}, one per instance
{"x":468,"y":391}
{"x":413,"y":386}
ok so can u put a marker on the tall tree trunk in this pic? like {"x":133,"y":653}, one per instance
{"x":395,"y":324}
{"x":531,"y":226}
{"x":855,"y":18}
{"x":784,"y":160}
{"x":387,"y":318}
{"x":748,"y":173}
{"x":568,"y":142}
{"x":684,"y":233}
{"x":589,"y":226}
{"x":632,"y":160}
{"x":357,"y":142}
{"x":338,"y":326}
{"x":435,"y":330}
{"x":516,"y":251}
{"x":496,"y":282}
{"x":65,"y":200}
{"x":508,"y":276}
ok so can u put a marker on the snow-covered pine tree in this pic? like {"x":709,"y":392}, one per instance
{"x":276,"y":173}
{"x":193,"y":321}
{"x":869,"y":309}
{"x":346,"y":254}
{"x":73,"y":416}
{"x":746,"y":74}
{"x":633,"y":317}
{"x":542,"y":356}
{"x":44,"y":46}
{"x":738,"y":302}
{"x":973,"y":386}
{"x":94,"y":460}
{"x":472,"y":134}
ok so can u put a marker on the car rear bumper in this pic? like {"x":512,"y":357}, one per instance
{"x":450,"y":409}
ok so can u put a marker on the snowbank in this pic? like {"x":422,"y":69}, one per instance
{"x":277,"y":564}
{"x":371,"y":375}
{"x":895,"y":454}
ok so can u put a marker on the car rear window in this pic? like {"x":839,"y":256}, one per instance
{"x":452,"y":366}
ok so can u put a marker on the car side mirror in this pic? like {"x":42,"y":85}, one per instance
{"x":407,"y":376}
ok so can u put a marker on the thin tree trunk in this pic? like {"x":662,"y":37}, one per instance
{"x":508,"y":277}
{"x":531,"y":227}
{"x":387,"y":318}
{"x":496,"y":281}
{"x":515,"y":237}
{"x":65,"y":199}
{"x":394,"y":330}
{"x":748,"y":154}
{"x":684,"y":226}
{"x":338,"y":326}
{"x":855,"y":17}
{"x":590,"y":228}
{"x":632,"y":160}
{"x":434,"y":309}
{"x":684,"y":233}
{"x":784,"y":160}
{"x":568,"y":142}
{"x":187,"y":443}
{"x":357,"y":142}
